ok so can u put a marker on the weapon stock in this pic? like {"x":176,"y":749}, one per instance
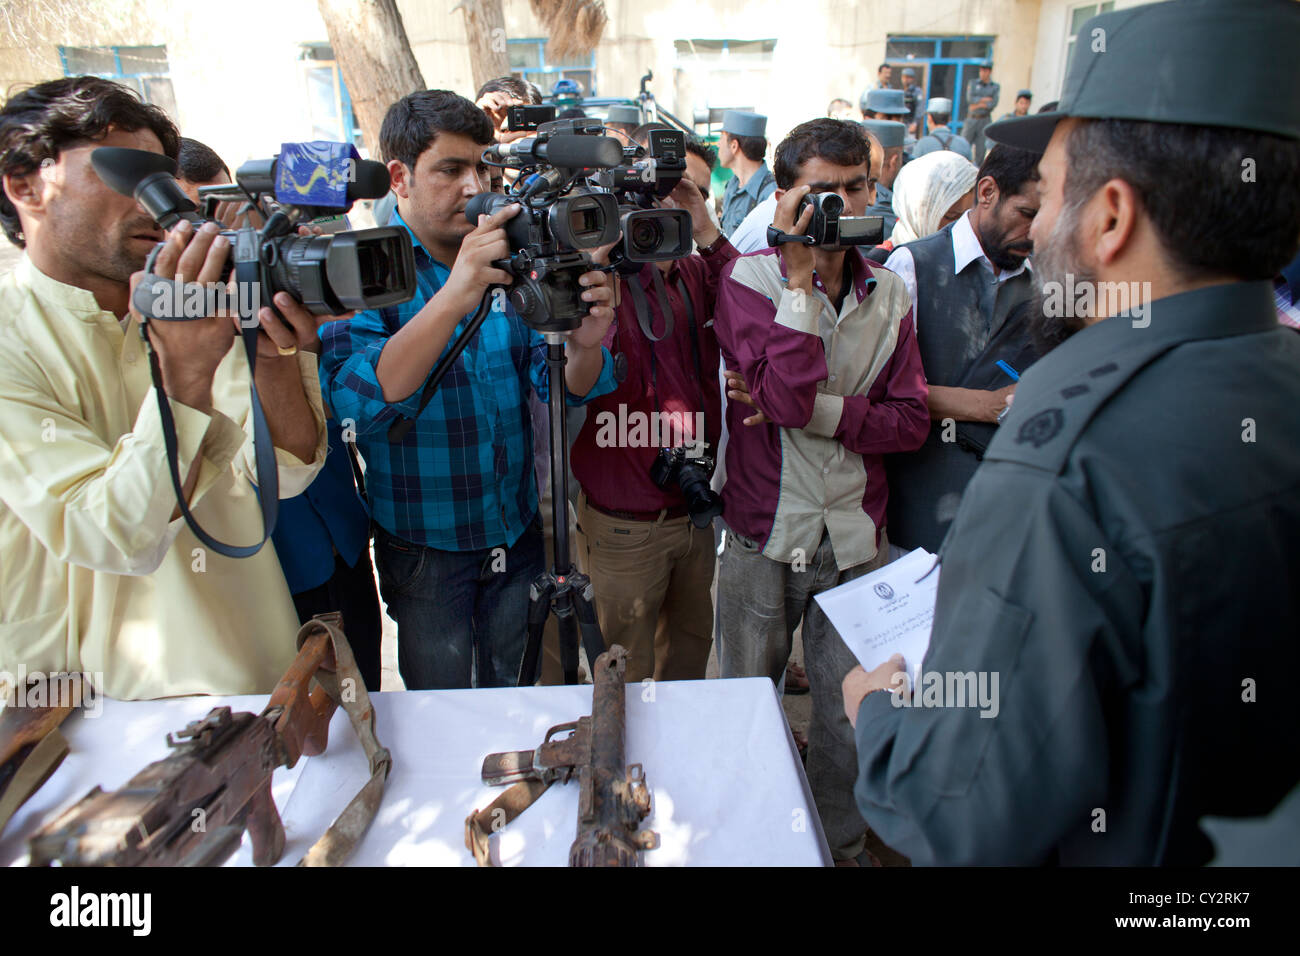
{"x":613,"y":798}
{"x":191,"y":807}
{"x":31,"y":748}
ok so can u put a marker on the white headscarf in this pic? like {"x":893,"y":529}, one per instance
{"x":925,"y":190}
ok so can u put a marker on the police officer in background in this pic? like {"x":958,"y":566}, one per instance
{"x":1125,"y":558}
{"x":981,"y":100}
{"x":890,"y":136}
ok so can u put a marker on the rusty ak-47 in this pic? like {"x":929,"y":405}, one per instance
{"x":613,"y":798}
{"x":192,"y":807}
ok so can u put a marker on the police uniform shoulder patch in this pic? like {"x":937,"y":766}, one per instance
{"x":1041,"y":428}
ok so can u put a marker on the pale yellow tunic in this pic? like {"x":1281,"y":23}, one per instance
{"x":95,"y":576}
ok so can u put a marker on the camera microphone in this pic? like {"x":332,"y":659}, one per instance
{"x":367,"y":178}
{"x":568,"y":151}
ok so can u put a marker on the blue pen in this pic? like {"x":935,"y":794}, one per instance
{"x":1011,"y":373}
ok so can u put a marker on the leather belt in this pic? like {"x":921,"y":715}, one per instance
{"x":677,"y":511}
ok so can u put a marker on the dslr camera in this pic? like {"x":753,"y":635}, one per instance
{"x":328,"y":274}
{"x":691,"y":474}
{"x":563,"y":215}
{"x":830,"y":227}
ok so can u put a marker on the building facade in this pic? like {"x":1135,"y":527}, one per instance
{"x":246,"y":76}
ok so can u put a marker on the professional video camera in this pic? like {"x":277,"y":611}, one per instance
{"x":650,"y":234}
{"x":564,"y":215}
{"x":829,"y":227}
{"x":365,"y":269}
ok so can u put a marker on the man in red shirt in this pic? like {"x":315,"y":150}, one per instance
{"x":651,"y":567}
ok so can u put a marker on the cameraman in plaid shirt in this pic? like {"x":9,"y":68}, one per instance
{"x":458,"y":537}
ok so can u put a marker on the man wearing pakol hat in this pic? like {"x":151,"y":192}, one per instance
{"x":741,"y":149}
{"x":1024,"y":99}
{"x":890,"y":136}
{"x":939,"y":109}
{"x":1124,"y":560}
{"x":981,"y":100}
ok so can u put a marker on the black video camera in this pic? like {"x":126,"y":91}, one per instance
{"x":563,"y":216}
{"x":651,"y":173}
{"x":328,"y":274}
{"x":829,"y":227}
{"x":649,"y":234}
{"x":690,"y":473}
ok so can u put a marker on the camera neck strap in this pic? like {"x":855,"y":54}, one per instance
{"x":643,"y":319}
{"x":268,"y":475}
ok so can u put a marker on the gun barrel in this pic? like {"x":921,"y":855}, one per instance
{"x":613,"y":799}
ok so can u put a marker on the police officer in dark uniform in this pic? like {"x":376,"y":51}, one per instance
{"x":1125,"y":560}
{"x":981,"y":100}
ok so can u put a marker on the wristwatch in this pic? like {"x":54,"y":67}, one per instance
{"x":713,"y":246}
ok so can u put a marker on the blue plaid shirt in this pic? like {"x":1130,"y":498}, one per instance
{"x":462,"y":478}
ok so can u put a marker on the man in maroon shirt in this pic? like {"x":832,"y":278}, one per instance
{"x":651,"y":568}
{"x":825,"y":342}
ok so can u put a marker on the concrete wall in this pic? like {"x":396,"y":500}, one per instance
{"x":245,"y":92}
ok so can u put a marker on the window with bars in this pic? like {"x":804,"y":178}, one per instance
{"x":528,"y":61}
{"x":142,"y":68}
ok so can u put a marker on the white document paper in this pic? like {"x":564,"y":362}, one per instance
{"x":889,"y":611}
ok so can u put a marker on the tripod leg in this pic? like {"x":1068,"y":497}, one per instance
{"x":592,"y":640}
{"x":568,"y":628}
{"x":539,"y":606}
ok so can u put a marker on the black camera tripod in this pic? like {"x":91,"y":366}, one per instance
{"x":562,"y":589}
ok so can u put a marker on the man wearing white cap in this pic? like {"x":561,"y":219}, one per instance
{"x":940,"y":136}
{"x":741,"y":149}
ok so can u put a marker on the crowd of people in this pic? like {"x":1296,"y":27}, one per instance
{"x":859,"y":402}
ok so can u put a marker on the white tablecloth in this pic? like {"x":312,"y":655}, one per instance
{"x":726,"y":784}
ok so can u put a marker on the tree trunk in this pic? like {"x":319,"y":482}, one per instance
{"x":374,"y":56}
{"x":485,"y":28}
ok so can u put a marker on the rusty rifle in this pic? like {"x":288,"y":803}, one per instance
{"x":613,"y":798}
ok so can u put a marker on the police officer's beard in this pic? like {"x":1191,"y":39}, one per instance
{"x":1057,"y":258}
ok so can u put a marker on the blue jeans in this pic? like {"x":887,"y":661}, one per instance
{"x":462,"y":616}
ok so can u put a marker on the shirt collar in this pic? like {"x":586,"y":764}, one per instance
{"x":1218,"y":311}
{"x":966,"y":249}
{"x":70,"y":298}
{"x":864,"y":279}
{"x":755,"y":183}
{"x":396,"y":220}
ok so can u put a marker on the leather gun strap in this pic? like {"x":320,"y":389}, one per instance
{"x":338,"y":842}
{"x":43,"y":760}
{"x":481,"y":824}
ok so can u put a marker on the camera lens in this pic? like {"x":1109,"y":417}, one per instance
{"x":647,"y":236}
{"x":701,"y":502}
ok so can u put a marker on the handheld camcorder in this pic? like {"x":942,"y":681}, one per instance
{"x":829,"y":227}
{"x":328,"y":274}
{"x":562,"y":217}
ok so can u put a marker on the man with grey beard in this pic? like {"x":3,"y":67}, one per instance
{"x":1125,"y":558}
